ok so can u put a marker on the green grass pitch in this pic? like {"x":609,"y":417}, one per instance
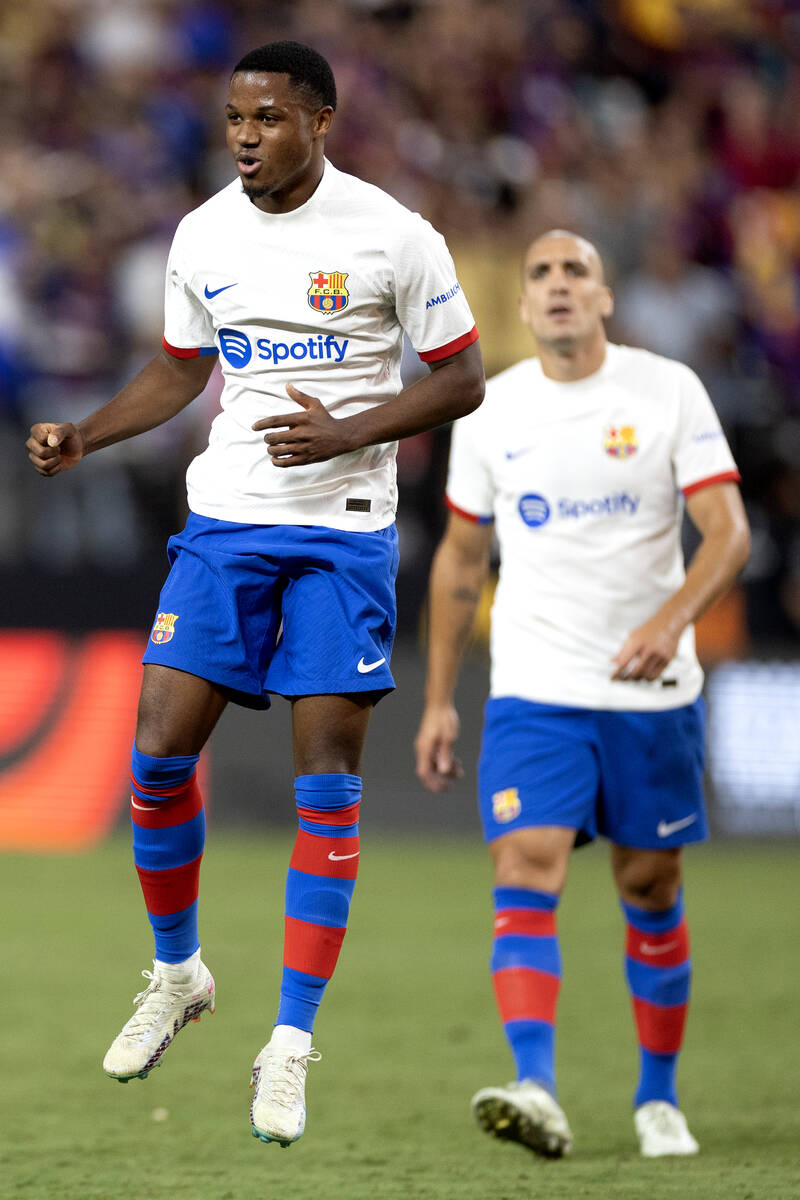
{"x":407,"y":1032}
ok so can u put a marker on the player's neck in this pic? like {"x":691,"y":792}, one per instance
{"x":568,"y":361}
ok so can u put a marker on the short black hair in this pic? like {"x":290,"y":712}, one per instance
{"x":308,"y":71}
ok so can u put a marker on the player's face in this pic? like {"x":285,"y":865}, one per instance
{"x":275,"y":137}
{"x":564,"y":297}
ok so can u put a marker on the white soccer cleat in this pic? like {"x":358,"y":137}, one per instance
{"x":278,"y":1107}
{"x":527,"y":1113}
{"x":162,"y":1010}
{"x":662,"y":1130}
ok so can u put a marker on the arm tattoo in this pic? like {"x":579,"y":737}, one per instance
{"x":466,"y":595}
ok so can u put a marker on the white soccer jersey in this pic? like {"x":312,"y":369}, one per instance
{"x":318,"y":297}
{"x":586,"y":481}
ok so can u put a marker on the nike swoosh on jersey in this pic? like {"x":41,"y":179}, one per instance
{"x":665,"y":828}
{"x":334,"y":857}
{"x":364,"y":668}
{"x":512,"y":454}
{"x":144,"y":807}
{"x":210,"y":295}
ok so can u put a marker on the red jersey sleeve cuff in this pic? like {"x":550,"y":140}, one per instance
{"x":450,"y":348}
{"x":725,"y":477}
{"x":468,"y":516}
{"x":190,"y":352}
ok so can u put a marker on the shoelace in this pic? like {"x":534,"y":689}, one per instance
{"x":151,"y":1003}
{"x":665,"y":1120}
{"x":289,"y":1073}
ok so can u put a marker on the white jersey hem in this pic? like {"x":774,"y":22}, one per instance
{"x":630,"y":697}
{"x":290,"y":516}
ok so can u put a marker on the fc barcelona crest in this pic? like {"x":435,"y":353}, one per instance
{"x":620,"y":441}
{"x":506,"y":806}
{"x":164,"y":628}
{"x":327,"y":293}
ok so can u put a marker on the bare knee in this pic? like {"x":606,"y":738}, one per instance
{"x":536,"y":859}
{"x":649,"y":879}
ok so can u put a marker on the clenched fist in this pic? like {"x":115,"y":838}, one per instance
{"x":53,"y":448}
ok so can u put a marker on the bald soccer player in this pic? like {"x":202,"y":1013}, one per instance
{"x":581,"y":462}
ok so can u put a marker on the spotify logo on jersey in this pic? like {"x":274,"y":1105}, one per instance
{"x":534,"y":510}
{"x":235,"y":347}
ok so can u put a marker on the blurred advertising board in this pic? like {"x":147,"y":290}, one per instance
{"x":754,"y":747}
{"x":68,"y":715}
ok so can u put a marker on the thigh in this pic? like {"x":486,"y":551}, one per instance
{"x":220,"y":607}
{"x":339,"y":614}
{"x":652,"y":777}
{"x":328,"y":733}
{"x":177,"y":712}
{"x":537,"y":768}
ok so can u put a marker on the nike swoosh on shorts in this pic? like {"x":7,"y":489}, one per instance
{"x":364,"y":668}
{"x":665,"y":828}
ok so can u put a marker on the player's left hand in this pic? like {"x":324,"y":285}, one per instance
{"x":309,"y":436}
{"x":647,"y":651}
{"x":437,"y":765}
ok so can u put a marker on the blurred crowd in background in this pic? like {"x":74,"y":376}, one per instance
{"x":665,"y":131}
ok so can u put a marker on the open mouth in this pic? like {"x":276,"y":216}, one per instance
{"x":248,"y":165}
{"x":559,"y":310}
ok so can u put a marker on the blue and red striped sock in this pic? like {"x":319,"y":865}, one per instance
{"x":658,"y":970}
{"x":526,"y":973}
{"x":319,"y":887}
{"x":169,"y":829}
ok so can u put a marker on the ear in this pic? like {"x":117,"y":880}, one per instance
{"x":522,"y":308}
{"x":323,"y":119}
{"x":607,"y":306}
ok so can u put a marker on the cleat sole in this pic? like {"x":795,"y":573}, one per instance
{"x":264,"y":1137}
{"x":136,"y":1075}
{"x":503,"y":1120}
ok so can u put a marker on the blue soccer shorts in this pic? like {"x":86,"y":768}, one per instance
{"x":634,"y":777}
{"x":299,"y":610}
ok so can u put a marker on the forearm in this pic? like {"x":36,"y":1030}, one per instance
{"x":720,"y":518}
{"x":162,"y":389}
{"x":451,"y":390}
{"x":715,"y":565}
{"x":455,"y":592}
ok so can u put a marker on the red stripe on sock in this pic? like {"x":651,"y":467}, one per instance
{"x":335,"y":816}
{"x":175,"y":810}
{"x":172,"y":890}
{"x":668,"y":949}
{"x":524,"y":994}
{"x":175,"y":790}
{"x":311,"y":948}
{"x":660,"y":1028}
{"x":334,"y":857}
{"x":534,"y":923}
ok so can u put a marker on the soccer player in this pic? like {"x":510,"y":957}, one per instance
{"x":302,"y":280}
{"x":584,"y":456}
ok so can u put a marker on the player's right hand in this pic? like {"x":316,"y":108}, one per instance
{"x":53,"y":447}
{"x":437,"y":766}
